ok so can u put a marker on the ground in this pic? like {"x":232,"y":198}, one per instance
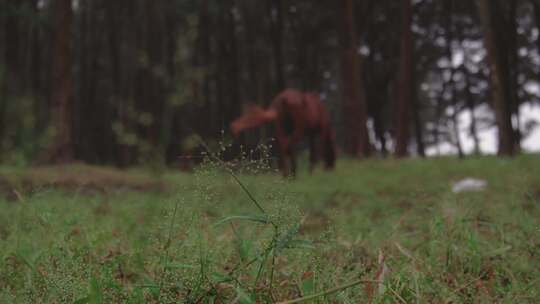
{"x":381,"y":231}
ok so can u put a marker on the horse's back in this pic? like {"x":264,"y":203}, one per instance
{"x":301,"y":106}
{"x":316,"y":110}
{"x":287,"y":98}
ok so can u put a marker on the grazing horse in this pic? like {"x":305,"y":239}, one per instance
{"x":296,"y":115}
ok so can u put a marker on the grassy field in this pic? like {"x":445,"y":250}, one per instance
{"x":379,"y":231}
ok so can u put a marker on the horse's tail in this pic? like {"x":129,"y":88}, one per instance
{"x":329,"y":148}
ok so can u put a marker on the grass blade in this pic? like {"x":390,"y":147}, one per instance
{"x":259,"y":218}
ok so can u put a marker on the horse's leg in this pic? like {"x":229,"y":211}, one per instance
{"x":292,"y":158}
{"x":281,"y":160}
{"x":327,"y":146}
{"x":284,"y":159}
{"x":313,"y":152}
{"x":283,"y":155}
{"x":285,"y":162}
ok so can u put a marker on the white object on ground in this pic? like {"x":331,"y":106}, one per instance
{"x":469,"y":184}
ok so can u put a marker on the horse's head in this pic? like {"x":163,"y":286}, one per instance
{"x":252,"y":117}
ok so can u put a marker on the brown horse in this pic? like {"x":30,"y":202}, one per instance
{"x":296,"y":115}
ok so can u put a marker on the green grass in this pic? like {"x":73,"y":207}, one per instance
{"x":182,"y":243}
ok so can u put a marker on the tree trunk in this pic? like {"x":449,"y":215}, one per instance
{"x":159,"y":130}
{"x":234,"y":66}
{"x":499,"y":87}
{"x":404,"y":83}
{"x":276,"y":13}
{"x":418,"y":127}
{"x":12,"y":46}
{"x":38,"y":53}
{"x":206,"y":61}
{"x":354,"y":106}
{"x":129,"y":69}
{"x":471,"y":104}
{"x":513,"y":70}
{"x":114,"y":19}
{"x":455,"y":130}
{"x":450,"y":85}
{"x":61,"y":149}
{"x":12,"y":52}
{"x":252,"y":51}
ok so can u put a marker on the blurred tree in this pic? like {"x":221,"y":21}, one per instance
{"x":354,"y":104}
{"x":403,"y":104}
{"x":61,"y":149}
{"x":449,"y":90}
{"x":490,"y":11}
{"x":276,"y":15}
{"x":379,"y":66}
